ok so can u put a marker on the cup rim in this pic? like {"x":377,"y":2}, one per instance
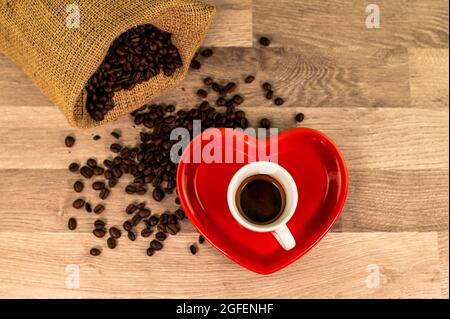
{"x":288,"y":183}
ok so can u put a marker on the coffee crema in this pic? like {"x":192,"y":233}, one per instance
{"x":260,"y":199}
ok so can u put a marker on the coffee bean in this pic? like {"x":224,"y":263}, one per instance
{"x":180,"y":214}
{"x":88,"y":207}
{"x":86,"y":172}
{"x":202,"y":93}
{"x":141,"y":206}
{"x":158,"y":194}
{"x":221,"y":101}
{"x":131,"y":208}
{"x":237,"y":99}
{"x":230,"y":87}
{"x":115,"y":232}
{"x":161,"y":236}
{"x":111,"y":242}
{"x":98,"y":185}
{"x":127,"y":226}
{"x":249,"y":79}
{"x":73,"y":167}
{"x":99,"y":224}
{"x":196,"y":65}
{"x":269,"y":95}
{"x":135,"y":220}
{"x":264,"y":41}
{"x":112,"y":182}
{"x":193,"y":249}
{"x":164,"y":219}
{"x":153,"y":220}
{"x":299,"y":117}
{"x":78,"y":186}
{"x":104,"y":193}
{"x":96,"y":137}
{"x":98,"y":170}
{"x":91,"y":163}
{"x":78,"y":203}
{"x":146,"y":232}
{"x":131,"y":236}
{"x":115,"y":147}
{"x":172,"y":219}
{"x":99,"y":208}
{"x":207,"y":53}
{"x":150,"y":251}
{"x":130,"y":189}
{"x":267,"y":86}
{"x":265,"y":123}
{"x":69,"y":141}
{"x":156,"y":245}
{"x":278,"y":101}
{"x":144,"y":213}
{"x":172,"y":229}
{"x":201,"y":239}
{"x":95,"y":251}
{"x":162,"y":227}
{"x":208,"y":81}
{"x":72,"y":224}
{"x":99,"y":232}
{"x":115,"y":134}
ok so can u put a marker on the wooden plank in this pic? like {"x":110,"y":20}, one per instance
{"x":326,"y":78}
{"x":232,"y":25}
{"x":428,"y":70}
{"x":443,"y":257}
{"x":370,"y":138}
{"x":400,"y":200}
{"x":378,"y":201}
{"x":16,"y":89}
{"x":35,"y":265}
{"x":324,"y":24}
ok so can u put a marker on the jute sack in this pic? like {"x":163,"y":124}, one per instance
{"x":60,"y":58}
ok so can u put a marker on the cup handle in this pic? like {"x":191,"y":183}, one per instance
{"x":284,"y":237}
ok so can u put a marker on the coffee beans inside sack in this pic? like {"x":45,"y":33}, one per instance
{"x":76,"y":51}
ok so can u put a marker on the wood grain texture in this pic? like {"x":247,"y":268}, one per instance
{"x":443,"y":256}
{"x":428,"y":70}
{"x":381,"y":95}
{"x":378,"y":140}
{"x":232,"y":25}
{"x":323,"y":24}
{"x":315,"y":78}
{"x":378,"y":201}
{"x":408,"y":264}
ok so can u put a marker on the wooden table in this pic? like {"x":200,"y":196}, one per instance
{"x":381,"y":94}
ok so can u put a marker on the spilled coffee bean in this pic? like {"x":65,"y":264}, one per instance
{"x":78,"y":203}
{"x":78,"y":186}
{"x":95,"y":251}
{"x":72,"y":224}
{"x":69,"y":141}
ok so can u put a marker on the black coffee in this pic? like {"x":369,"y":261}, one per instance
{"x":260,"y":199}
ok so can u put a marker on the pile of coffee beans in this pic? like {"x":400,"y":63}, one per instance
{"x":136,"y":56}
{"x":148,"y":162}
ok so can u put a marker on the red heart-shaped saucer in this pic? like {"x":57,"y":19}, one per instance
{"x":321,"y":177}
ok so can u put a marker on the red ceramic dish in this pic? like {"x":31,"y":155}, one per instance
{"x":321,"y":177}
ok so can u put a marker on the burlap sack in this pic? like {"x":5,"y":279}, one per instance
{"x":60,"y":60}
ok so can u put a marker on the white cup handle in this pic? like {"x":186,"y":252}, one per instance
{"x":284,"y":237}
